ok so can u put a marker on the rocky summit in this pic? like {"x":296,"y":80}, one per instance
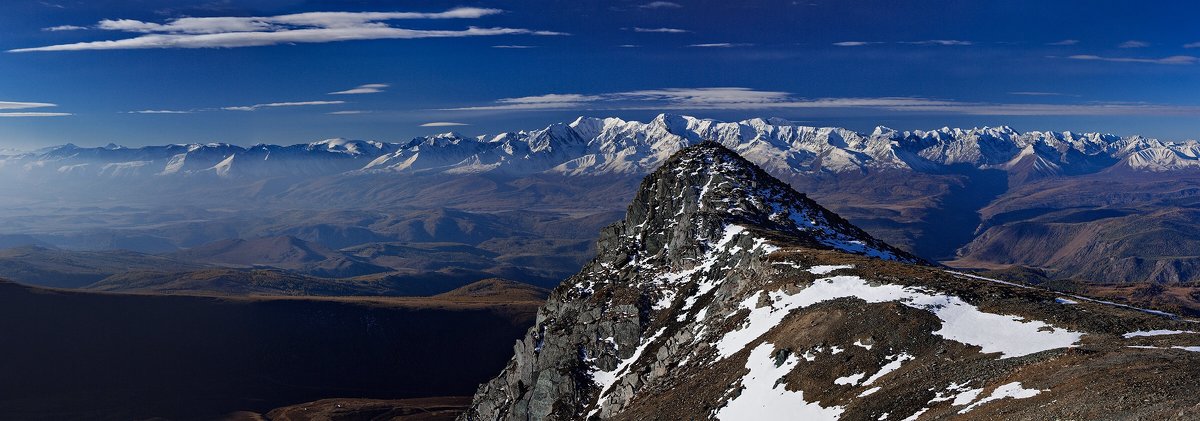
{"x":724,"y":294}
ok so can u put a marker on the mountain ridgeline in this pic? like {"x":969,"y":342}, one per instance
{"x":1080,"y":208}
{"x":595,"y":146}
{"x":724,"y":294}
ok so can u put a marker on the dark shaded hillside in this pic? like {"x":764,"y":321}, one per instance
{"x":49,"y":267}
{"x":73,"y":355}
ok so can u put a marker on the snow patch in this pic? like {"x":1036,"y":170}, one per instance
{"x":896,"y":361}
{"x":826,"y":269}
{"x":1159,"y":332}
{"x":966,"y":396}
{"x":1010,"y":390}
{"x":764,"y":397}
{"x":850,"y":380}
{"x":1012,"y":336}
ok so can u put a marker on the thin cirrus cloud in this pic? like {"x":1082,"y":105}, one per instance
{"x":160,"y":112}
{"x":660,"y":5}
{"x":1172,"y":60}
{"x":1192,"y":45}
{"x":737,"y":98}
{"x":6,"y":106}
{"x":1036,"y":93}
{"x":659,"y":30}
{"x":257,"y":107}
{"x":944,"y":42}
{"x":721,"y":45}
{"x":60,"y":28}
{"x":514,"y":47}
{"x":370,"y":88}
{"x":444,"y":124}
{"x":1133,"y":44}
{"x":348,"y":112}
{"x":941,"y":42}
{"x":855,"y":43}
{"x":313,"y":27}
{"x":1064,"y":42}
{"x":33,"y":114}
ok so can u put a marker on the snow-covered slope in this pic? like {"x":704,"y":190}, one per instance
{"x":596,"y":146}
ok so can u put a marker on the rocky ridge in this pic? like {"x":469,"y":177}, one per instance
{"x":726,"y":295}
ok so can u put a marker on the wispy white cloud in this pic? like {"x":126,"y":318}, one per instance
{"x":1133,"y":44}
{"x":629,"y":46}
{"x":661,"y":5}
{"x":539,"y":102}
{"x":1036,"y":93}
{"x":348,"y":112}
{"x":690,"y":98}
{"x":551,"y":99}
{"x":1064,"y":42}
{"x":659,"y":30}
{"x":64,"y":28}
{"x":1192,"y":45}
{"x":855,"y":43}
{"x":1085,"y":109}
{"x":703,"y":96}
{"x":1175,"y":60}
{"x":11,"y":105}
{"x":314,"y":27}
{"x":733,"y":98}
{"x":444,"y":124}
{"x":514,"y":46}
{"x":945,"y":42}
{"x":33,"y":114}
{"x":370,"y":88}
{"x":257,"y":107}
{"x":160,"y":112}
{"x":216,"y":25}
{"x":721,"y":45}
{"x":14,"y":105}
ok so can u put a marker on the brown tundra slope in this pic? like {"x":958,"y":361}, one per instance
{"x":724,"y":294}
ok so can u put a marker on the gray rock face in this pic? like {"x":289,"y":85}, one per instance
{"x":724,"y":294}
{"x":597,"y":319}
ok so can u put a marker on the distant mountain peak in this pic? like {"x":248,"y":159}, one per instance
{"x":613,"y":146}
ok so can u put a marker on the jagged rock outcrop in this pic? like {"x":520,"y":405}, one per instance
{"x":724,"y":294}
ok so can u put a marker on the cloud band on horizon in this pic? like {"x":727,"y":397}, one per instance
{"x":736,"y":98}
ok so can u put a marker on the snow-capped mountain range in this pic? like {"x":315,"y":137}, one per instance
{"x":596,"y":146}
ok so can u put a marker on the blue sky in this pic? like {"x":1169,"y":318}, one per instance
{"x":151,"y":72}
